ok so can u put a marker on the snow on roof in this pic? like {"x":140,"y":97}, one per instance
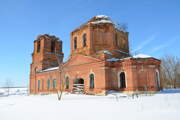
{"x":106,"y":19}
{"x":50,"y":69}
{"x":105,"y":52}
{"x":112,"y":59}
{"x":126,"y":58}
{"x":101,"y":16}
{"x":102,"y":21}
{"x":120,"y":51}
{"x":135,"y":56}
{"x":141,"y":56}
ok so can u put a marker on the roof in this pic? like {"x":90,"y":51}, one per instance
{"x":48,"y":37}
{"x":102,"y":19}
{"x":101,"y":16}
{"x":139,"y":56}
{"x":107,"y":52}
{"x":142,"y":56}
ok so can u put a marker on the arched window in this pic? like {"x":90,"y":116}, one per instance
{"x":84,"y":40}
{"x":122,"y":80}
{"x":91,"y":77}
{"x":75,"y":43}
{"x":35,"y":70}
{"x":54,"y":84}
{"x":52,"y":46}
{"x":38,"y":46}
{"x":67,"y":83}
{"x":48,"y":84}
{"x":157,"y":79}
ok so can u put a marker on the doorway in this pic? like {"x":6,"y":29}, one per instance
{"x":78,"y":86}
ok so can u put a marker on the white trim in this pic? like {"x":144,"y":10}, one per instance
{"x":118,"y":75}
{"x":50,"y":69}
{"x":157,"y":79}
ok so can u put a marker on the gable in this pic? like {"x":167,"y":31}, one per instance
{"x":79,"y":59}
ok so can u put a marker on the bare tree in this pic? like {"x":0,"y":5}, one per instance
{"x":122,"y":26}
{"x":8,"y":85}
{"x":61,"y":76}
{"x":170,"y":71}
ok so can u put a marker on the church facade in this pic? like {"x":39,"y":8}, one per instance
{"x":99,"y":61}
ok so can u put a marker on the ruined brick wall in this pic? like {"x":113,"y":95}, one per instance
{"x":45,"y":55}
{"x":45,"y":58}
{"x":100,"y":37}
{"x":79,"y":67}
{"x":140,"y":74}
{"x":73,"y":70}
{"x":43,"y":78}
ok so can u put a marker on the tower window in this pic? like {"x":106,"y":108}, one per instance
{"x":61,"y":46}
{"x":84,"y":40}
{"x":75,"y":43}
{"x":52,"y":46}
{"x":116,"y":39}
{"x":91,"y":77}
{"x":38,"y":46}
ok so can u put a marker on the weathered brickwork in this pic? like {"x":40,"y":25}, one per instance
{"x":99,"y":61}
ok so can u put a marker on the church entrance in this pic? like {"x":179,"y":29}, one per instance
{"x":78,"y":86}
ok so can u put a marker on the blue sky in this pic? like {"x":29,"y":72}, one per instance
{"x":153,"y":25}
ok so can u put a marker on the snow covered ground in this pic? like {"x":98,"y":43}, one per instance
{"x":13,"y":91}
{"x":87,"y":107}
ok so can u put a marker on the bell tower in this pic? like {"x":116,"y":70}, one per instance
{"x":47,"y":53}
{"x":100,"y":37}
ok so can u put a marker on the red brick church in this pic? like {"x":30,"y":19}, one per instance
{"x":99,"y":61}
